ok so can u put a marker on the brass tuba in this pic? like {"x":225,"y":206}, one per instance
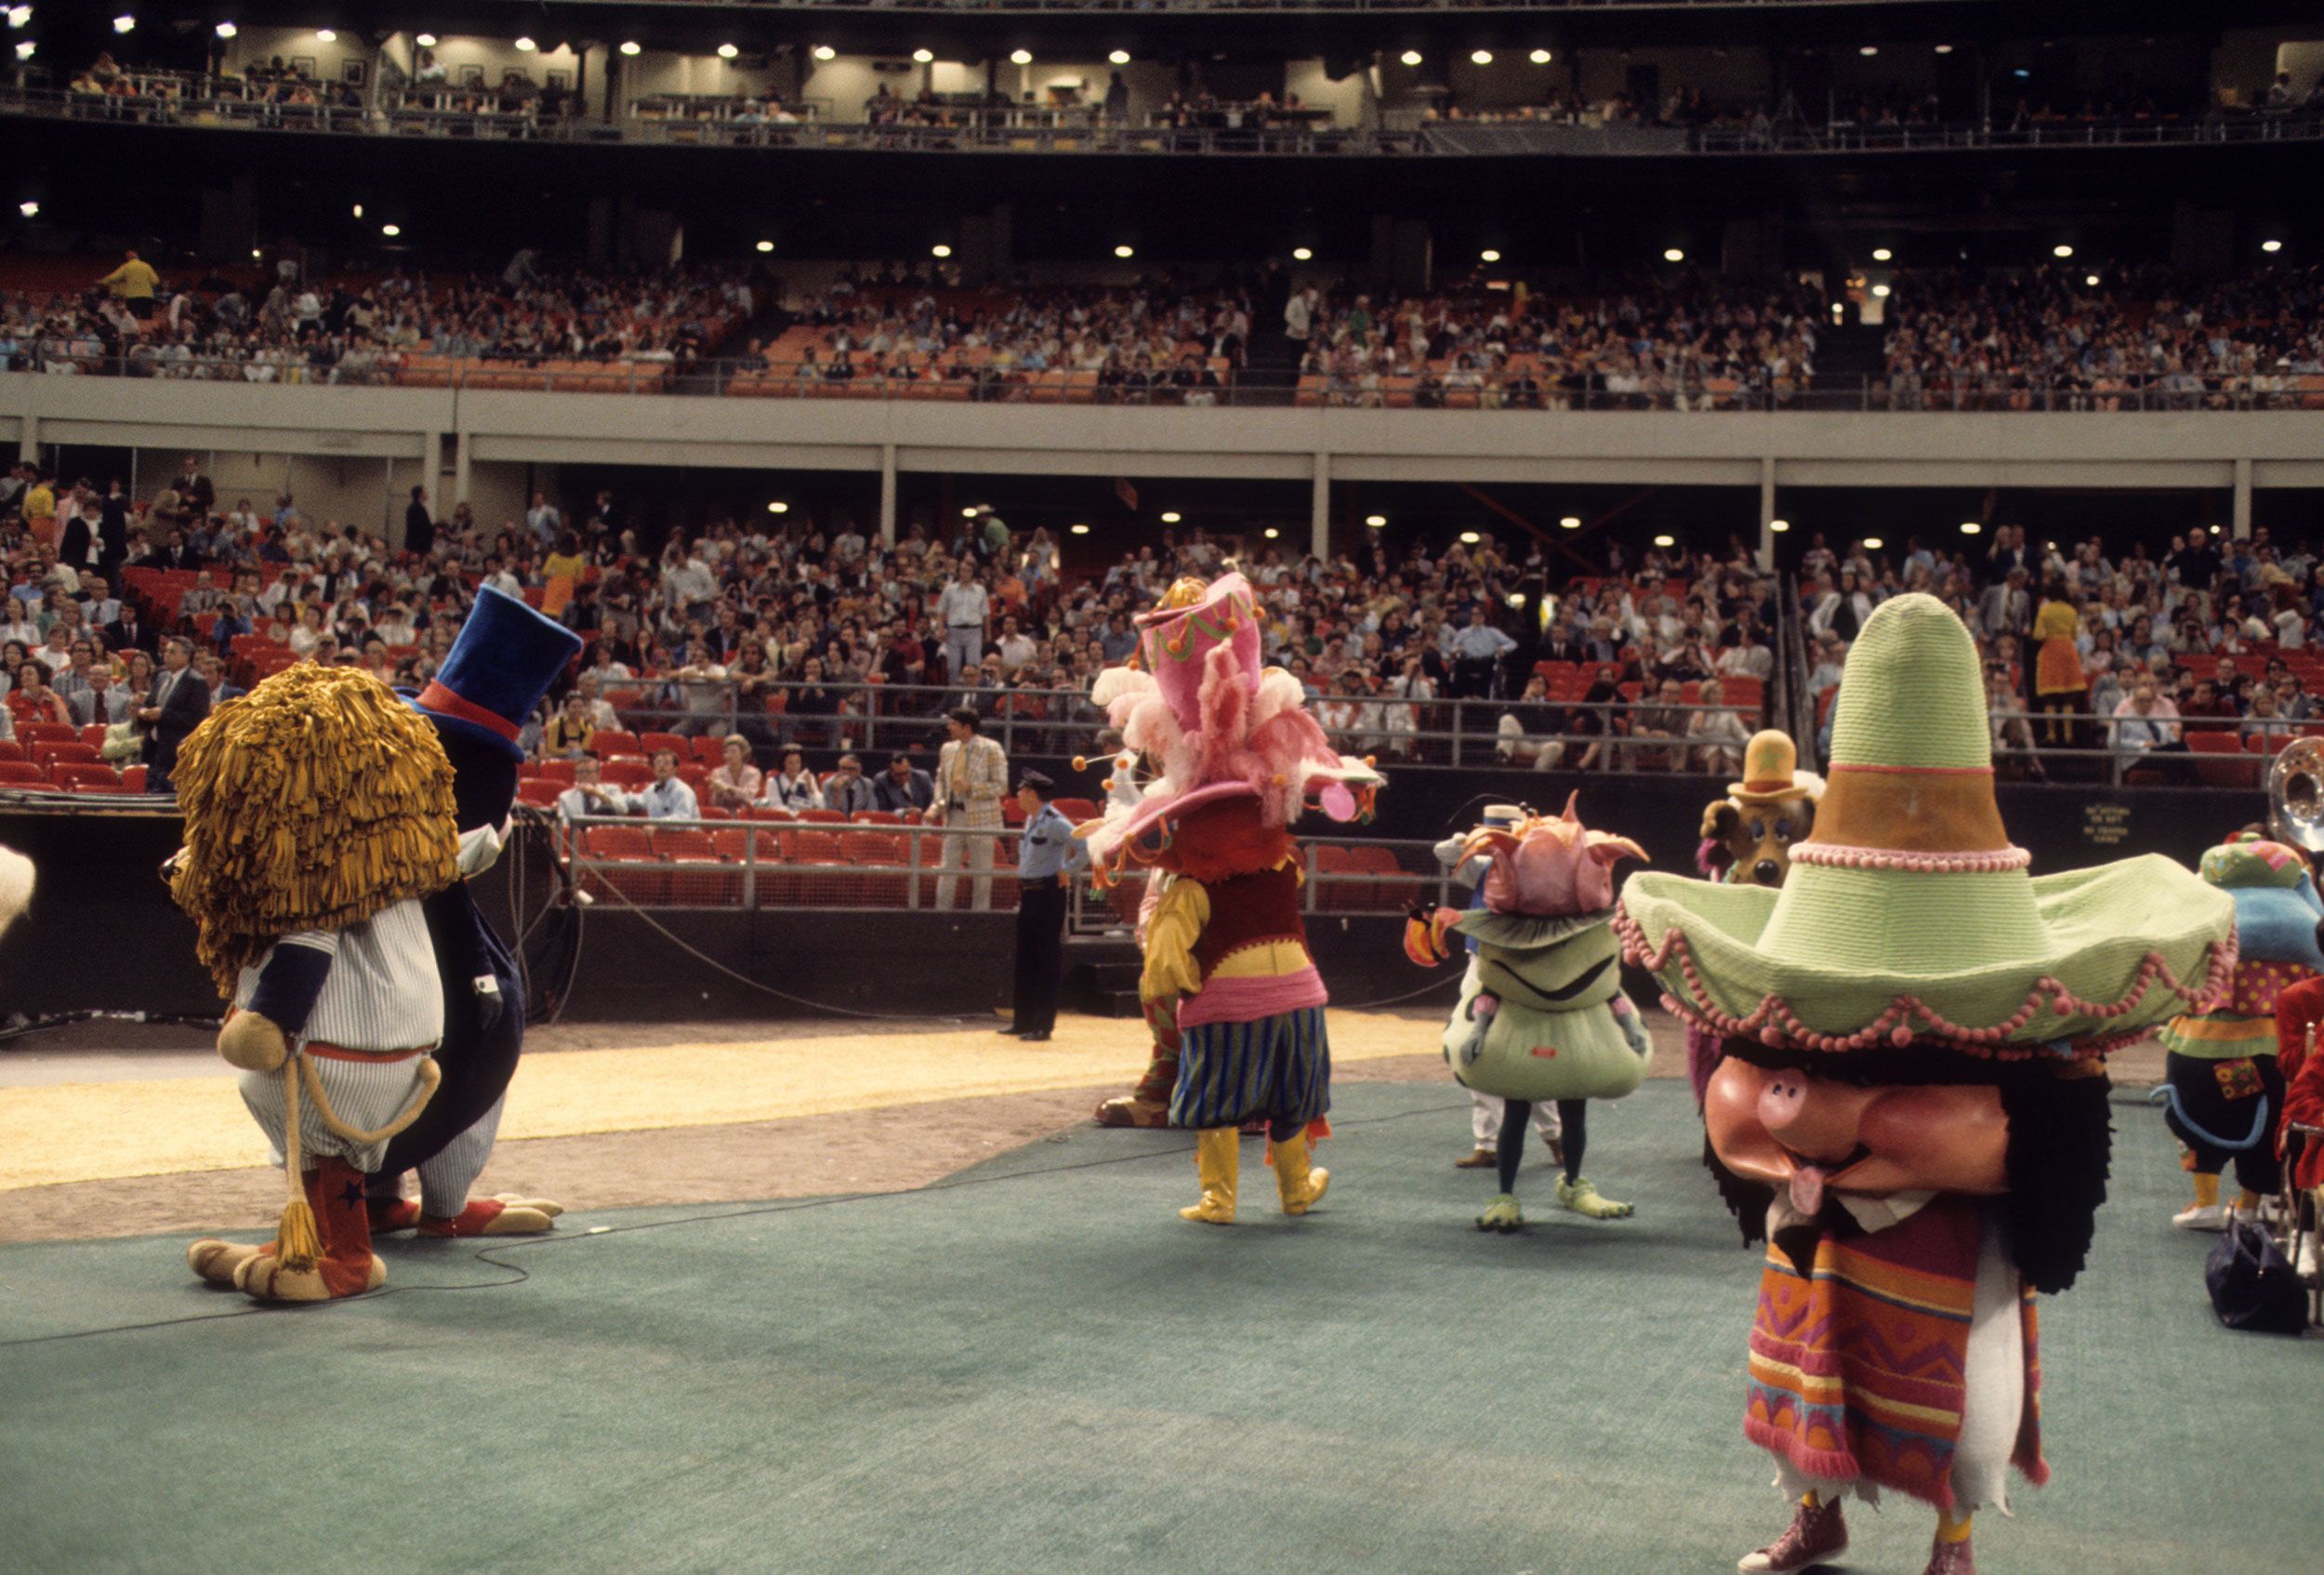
{"x":2296,"y":795}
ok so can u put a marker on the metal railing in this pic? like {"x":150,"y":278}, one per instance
{"x":225,"y":104}
{"x":944,"y":380}
{"x":1463,"y":733}
{"x":887,"y":863}
{"x":2117,"y":752}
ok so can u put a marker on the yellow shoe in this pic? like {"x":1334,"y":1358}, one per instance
{"x":1218,"y":1154}
{"x":1301,"y":1184}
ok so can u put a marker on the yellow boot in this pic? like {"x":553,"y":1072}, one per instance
{"x":1300,"y":1185}
{"x":1217,"y":1153}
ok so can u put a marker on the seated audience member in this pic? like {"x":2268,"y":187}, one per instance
{"x":736,"y":784}
{"x":1717,"y":733}
{"x":32,"y":700}
{"x":2146,"y":721}
{"x":667,"y":796}
{"x":590,"y":794}
{"x":792,"y":787}
{"x":1528,"y":731}
{"x":1656,"y":728}
{"x":571,"y":731}
{"x":901,"y":787}
{"x":847,"y":792}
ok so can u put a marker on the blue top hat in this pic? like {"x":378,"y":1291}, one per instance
{"x":505,"y":659}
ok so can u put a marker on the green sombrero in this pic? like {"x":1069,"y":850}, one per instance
{"x":1907,"y":915}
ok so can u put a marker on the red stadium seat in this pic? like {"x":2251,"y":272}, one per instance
{"x":133,"y":779}
{"x":74,"y":778}
{"x":2240,"y":771}
{"x":559,"y":772}
{"x":22,"y":774}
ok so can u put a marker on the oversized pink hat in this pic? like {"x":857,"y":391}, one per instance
{"x":1216,"y":724}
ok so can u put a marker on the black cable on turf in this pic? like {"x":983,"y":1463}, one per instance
{"x":518,"y":1274}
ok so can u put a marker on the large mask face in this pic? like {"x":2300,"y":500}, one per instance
{"x":1758,"y":837}
{"x":1548,"y":866}
{"x":1807,"y":1134}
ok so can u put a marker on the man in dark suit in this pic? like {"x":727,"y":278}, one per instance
{"x":178,"y":702}
{"x":130,"y":631}
{"x":419,"y":526}
{"x":901,"y":787}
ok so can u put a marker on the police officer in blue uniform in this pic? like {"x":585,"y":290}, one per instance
{"x":1048,"y":855}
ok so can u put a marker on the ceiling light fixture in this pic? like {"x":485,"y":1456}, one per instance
{"x":940,"y":249}
{"x":1869,"y":50}
{"x":1539,"y":56}
{"x":778,"y":507}
{"x":1410,"y":57}
{"x":425,"y":40}
{"x":2061,"y":251}
{"x":1271,"y":532}
{"x":726,"y":51}
{"x":391,"y":230}
{"x":359,"y":210}
{"x":1671,"y":254}
{"x":1119,"y":56}
{"x":1881,"y":253}
{"x":29,"y":209}
{"x":1481,"y":57}
{"x":1077,"y":530}
{"x":527,"y":46}
{"x":226,"y":29}
{"x":1170,"y":516}
{"x":1779,"y":526}
{"x":19,"y":16}
{"x":325,"y":35}
{"x":125,"y":23}
{"x":2271,"y":246}
{"x":1970,"y":527}
{"x":825,"y":52}
{"x":1873,"y":544}
{"x":923,"y":57}
{"x":1125,"y":252}
{"x":1470,"y":538}
{"x":1880,"y":292}
{"x":2091,"y":279}
{"x":25,"y":50}
{"x":1302,"y":254}
{"x":766,"y":245}
{"x":1376,"y":521}
{"x":1943,"y":49}
{"x":631,"y":46}
{"x":1488,"y":255}
{"x":1665,"y":541}
{"x":1020,"y":57}
{"x":1570,"y":523}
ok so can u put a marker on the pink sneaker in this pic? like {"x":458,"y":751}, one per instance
{"x":1817,"y":1533}
{"x":1951,"y":1558}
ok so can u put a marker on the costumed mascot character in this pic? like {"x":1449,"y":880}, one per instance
{"x":16,"y":886}
{"x":1541,"y":1015}
{"x":1913,"y":1103}
{"x":504,"y":660}
{"x":323,"y":862}
{"x":1227,"y":965}
{"x":1486,"y":1111}
{"x":2223,"y":1092}
{"x":1747,"y":838}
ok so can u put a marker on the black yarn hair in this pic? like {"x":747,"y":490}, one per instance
{"x":2061,"y":1141}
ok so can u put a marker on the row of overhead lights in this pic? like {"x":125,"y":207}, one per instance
{"x":1477,"y":57}
{"x":1670,"y":254}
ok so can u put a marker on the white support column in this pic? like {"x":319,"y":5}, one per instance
{"x":1319,"y":509}
{"x":1766,"y":512}
{"x":28,"y":442}
{"x":460,"y":446}
{"x":887,"y":494}
{"x":2242,"y":526}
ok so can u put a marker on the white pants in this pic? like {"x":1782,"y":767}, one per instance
{"x":444,"y":1181}
{"x":970,"y":852}
{"x":1484,"y":1119}
{"x":963,"y":647}
{"x":364,"y":1093}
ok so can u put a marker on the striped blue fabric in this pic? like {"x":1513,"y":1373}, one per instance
{"x":1277,"y":1068}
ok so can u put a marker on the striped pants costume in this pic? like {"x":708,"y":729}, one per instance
{"x":444,"y":1180}
{"x":974,"y":852}
{"x":1274,"y":1069}
{"x":367,"y":1093}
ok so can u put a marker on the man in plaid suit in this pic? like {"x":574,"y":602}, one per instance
{"x":971,"y":776}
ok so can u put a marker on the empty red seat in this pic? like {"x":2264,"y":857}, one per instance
{"x":611,"y":741}
{"x":627,"y":772}
{"x":559,"y":772}
{"x":72,"y":778}
{"x":74,"y":753}
{"x":47,"y":733}
{"x":22,"y":774}
{"x":133,"y":779}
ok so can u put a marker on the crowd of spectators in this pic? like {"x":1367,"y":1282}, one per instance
{"x":1676,"y":346}
{"x":821,"y":639}
{"x":288,"y":327}
{"x":2086,"y":652}
{"x":2048,"y":339}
